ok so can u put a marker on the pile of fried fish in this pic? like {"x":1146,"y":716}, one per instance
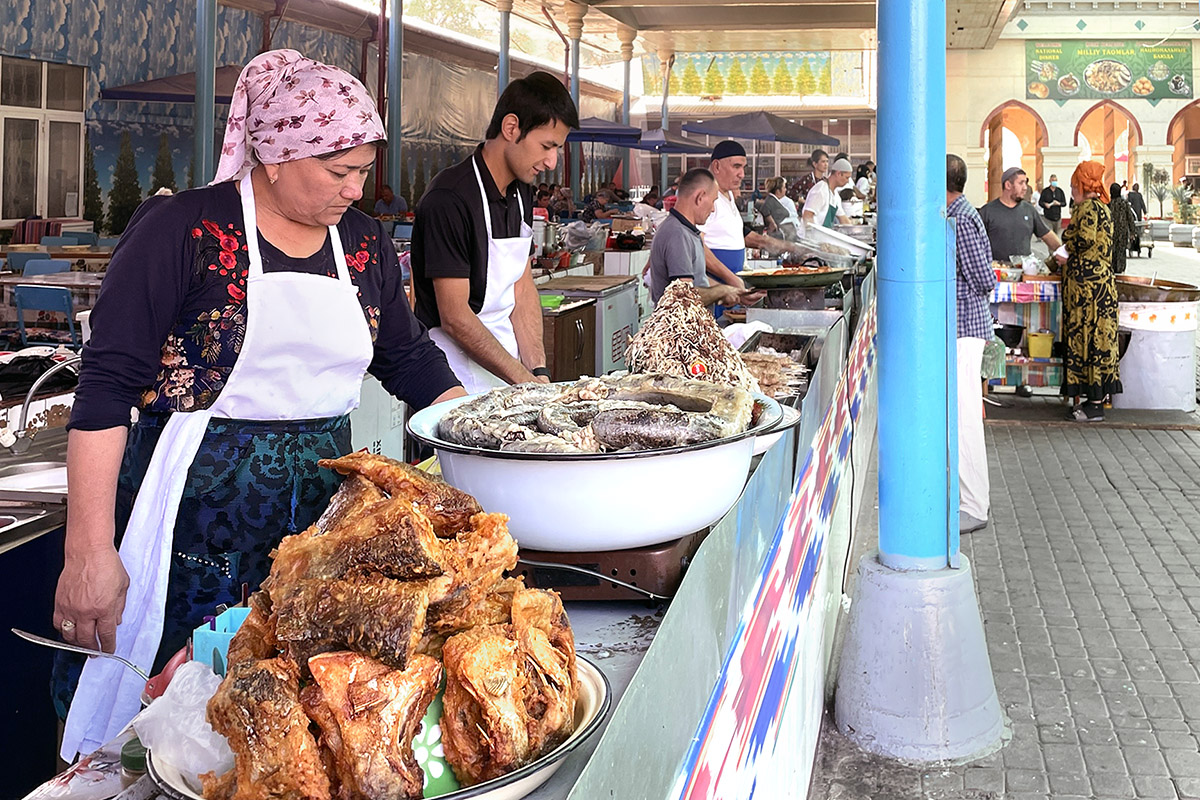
{"x":344,"y":649}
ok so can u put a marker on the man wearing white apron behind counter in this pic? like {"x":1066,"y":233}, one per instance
{"x":472,"y":241}
{"x":726,"y":235}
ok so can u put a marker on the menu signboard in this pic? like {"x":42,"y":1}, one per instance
{"x":1069,"y":70}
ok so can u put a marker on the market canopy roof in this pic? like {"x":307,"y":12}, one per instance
{"x":684,"y":26}
{"x":668,"y":144}
{"x":603,"y":131}
{"x":761,"y":126}
{"x":179,"y":88}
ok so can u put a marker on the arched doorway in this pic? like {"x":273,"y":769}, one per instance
{"x":1109,"y":134}
{"x":1183,"y":134}
{"x":1014,"y":135}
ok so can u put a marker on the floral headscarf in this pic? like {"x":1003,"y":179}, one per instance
{"x":1089,"y":177}
{"x":287,"y":107}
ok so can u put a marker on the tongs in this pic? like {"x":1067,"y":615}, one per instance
{"x":74,"y":648}
{"x":593,"y":574}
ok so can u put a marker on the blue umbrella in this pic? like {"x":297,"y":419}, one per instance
{"x":666,"y":143}
{"x":594,"y":129}
{"x":760,"y":126}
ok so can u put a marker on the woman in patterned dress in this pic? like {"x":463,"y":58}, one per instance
{"x":1090,"y":371}
{"x":239,"y":319}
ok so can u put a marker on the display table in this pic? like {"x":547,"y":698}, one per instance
{"x":1036,"y":306}
{"x":84,"y":286}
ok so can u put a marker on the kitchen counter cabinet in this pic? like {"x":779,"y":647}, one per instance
{"x":569,"y":337}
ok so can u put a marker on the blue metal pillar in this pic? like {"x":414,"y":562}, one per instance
{"x":395,"y":74}
{"x":206,"y":90}
{"x":502,"y":67}
{"x":915,"y":283}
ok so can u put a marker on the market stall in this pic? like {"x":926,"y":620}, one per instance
{"x":610,"y":637}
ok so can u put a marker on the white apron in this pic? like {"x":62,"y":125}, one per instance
{"x":306,"y":350}
{"x":507,"y":261}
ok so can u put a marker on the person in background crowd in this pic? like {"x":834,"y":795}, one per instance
{"x":1137,"y":203}
{"x":779,"y":212}
{"x":390,"y":204}
{"x":1012,"y":223}
{"x":600,"y":206}
{"x":472,"y":283}
{"x":1033,"y":199}
{"x":1089,"y":291}
{"x":651,"y":198}
{"x":543,"y":187}
{"x":673,"y":188}
{"x":677,"y":252}
{"x":823,"y":205}
{"x":818,"y":164}
{"x":561,"y":202}
{"x":1051,"y":201}
{"x":543,"y":199}
{"x":1123,"y":225}
{"x":862,"y":182}
{"x":974,"y":283}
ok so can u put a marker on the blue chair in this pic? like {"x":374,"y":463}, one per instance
{"x":56,"y":241}
{"x":46,"y":266}
{"x":403,"y":230}
{"x":17,"y":259}
{"x":44,"y":298}
{"x":82,"y":237}
{"x":107,"y":241}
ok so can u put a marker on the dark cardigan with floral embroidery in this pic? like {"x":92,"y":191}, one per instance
{"x":168,"y":324}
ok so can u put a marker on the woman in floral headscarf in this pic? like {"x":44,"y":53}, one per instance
{"x":239,"y":319}
{"x":1090,"y":373}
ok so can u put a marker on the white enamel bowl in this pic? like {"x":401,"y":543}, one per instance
{"x":602,"y":501}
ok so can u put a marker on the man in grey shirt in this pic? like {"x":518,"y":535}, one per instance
{"x":677,"y":252}
{"x":1012,"y":222}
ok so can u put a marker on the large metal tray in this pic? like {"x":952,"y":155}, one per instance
{"x":1134,"y":289}
{"x":799,"y":280}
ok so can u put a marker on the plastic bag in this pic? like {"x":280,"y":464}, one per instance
{"x":176,"y":731}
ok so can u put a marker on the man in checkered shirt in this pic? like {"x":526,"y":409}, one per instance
{"x":975,"y":281}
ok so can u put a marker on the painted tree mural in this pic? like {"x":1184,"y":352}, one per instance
{"x":93,"y":203}
{"x":714,"y":81}
{"x":825,"y":81}
{"x":760,"y":81}
{"x":736,"y":83}
{"x":781,"y":81}
{"x":164,"y":167}
{"x":691,"y":79}
{"x":806,"y":81}
{"x":126,"y":193}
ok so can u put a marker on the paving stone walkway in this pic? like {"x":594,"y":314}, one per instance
{"x":1089,"y":584}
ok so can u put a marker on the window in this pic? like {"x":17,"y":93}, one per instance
{"x":41,"y":139}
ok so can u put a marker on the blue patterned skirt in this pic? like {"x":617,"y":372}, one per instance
{"x":250,"y":485}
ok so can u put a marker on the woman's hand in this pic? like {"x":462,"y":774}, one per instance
{"x":90,"y":598}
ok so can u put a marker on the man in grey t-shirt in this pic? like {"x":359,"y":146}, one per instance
{"x":1012,"y":222}
{"x":677,"y":252}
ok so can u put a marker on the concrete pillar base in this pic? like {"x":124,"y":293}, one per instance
{"x":914,"y":680}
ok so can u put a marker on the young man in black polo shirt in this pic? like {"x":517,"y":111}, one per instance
{"x":472,"y":240}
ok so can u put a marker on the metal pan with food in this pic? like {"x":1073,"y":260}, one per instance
{"x":602,"y":464}
{"x":792,"y":277}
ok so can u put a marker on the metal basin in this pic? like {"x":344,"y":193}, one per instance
{"x":34,"y":481}
{"x":28,"y":467}
{"x":1134,"y":289}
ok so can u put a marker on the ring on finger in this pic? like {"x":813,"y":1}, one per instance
{"x":67,"y":625}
